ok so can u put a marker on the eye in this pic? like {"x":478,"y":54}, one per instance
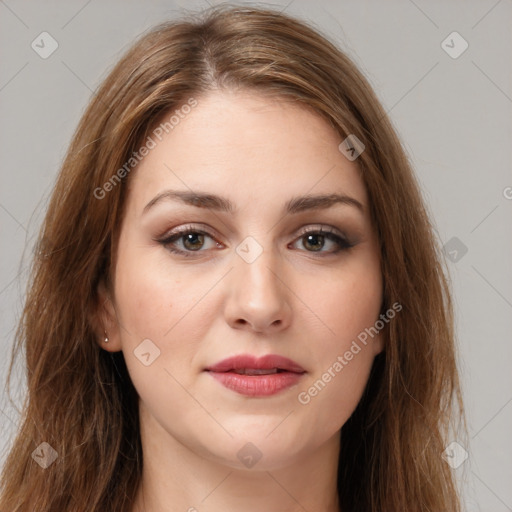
{"x":192,"y":240}
{"x":315,"y":240}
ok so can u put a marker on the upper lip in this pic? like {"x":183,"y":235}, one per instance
{"x":247,"y":361}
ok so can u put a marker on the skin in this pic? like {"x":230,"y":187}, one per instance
{"x":293,"y":301}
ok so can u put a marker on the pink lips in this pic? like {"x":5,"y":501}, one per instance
{"x":253,"y":376}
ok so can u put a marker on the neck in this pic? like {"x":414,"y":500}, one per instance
{"x":176,"y":478}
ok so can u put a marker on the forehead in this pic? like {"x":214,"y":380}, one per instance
{"x":248,"y":147}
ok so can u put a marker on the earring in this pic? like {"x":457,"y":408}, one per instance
{"x":106,"y":337}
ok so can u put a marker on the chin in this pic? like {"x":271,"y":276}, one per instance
{"x":256,"y":450}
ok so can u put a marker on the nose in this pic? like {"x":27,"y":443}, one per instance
{"x":259,"y":298}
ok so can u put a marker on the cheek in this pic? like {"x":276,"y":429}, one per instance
{"x":164,"y":308}
{"x":153,"y":307}
{"x":348,"y":306}
{"x":342,"y":364}
{"x":171,"y":307}
{"x":145,"y":302}
{"x":328,"y":399}
{"x":153,"y":298}
{"x":346,"y":302}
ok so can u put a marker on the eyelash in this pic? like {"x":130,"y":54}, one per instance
{"x":329,"y":233}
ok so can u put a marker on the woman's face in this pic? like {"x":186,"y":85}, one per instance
{"x":220,"y":256}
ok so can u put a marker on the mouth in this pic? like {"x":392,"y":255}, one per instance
{"x":254,"y":371}
{"x":251,"y":376}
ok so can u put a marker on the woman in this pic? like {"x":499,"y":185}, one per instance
{"x":238,"y":300}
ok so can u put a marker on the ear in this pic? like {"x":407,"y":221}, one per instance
{"x":104,"y":320}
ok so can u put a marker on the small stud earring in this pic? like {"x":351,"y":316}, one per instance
{"x":106,"y":337}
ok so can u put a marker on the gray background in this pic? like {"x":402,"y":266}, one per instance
{"x":453,"y":115}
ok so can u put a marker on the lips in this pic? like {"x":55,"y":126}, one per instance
{"x":251,"y":376}
{"x":267,"y":364}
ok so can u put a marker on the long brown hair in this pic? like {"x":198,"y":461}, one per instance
{"x":80,"y":398}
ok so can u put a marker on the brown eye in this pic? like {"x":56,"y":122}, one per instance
{"x":314,"y":242}
{"x":188,"y":241}
{"x":193,"y":241}
{"x":317,"y":240}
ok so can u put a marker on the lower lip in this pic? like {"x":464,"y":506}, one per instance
{"x":257,"y":385}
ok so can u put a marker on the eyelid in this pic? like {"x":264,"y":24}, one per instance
{"x":196,"y":228}
{"x":322,"y":228}
{"x":206,"y":230}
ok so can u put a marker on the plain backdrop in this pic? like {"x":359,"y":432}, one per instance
{"x":452,"y":111}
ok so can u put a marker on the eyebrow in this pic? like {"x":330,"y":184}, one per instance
{"x":222,"y":204}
